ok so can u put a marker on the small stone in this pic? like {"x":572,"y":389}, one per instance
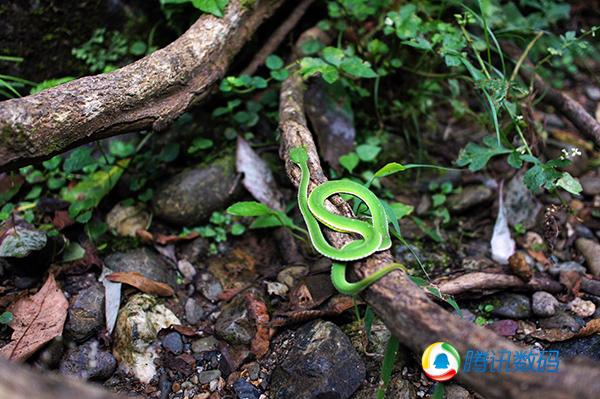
{"x":173,"y":342}
{"x":186,"y":269}
{"x":561,"y":320}
{"x":590,"y":286}
{"x":399,"y":388}
{"x":519,"y":266}
{"x":205,"y":377}
{"x":195,"y":250}
{"x":544,"y":304}
{"x":88,"y":362}
{"x":591,"y":252}
{"x":582,"y":308}
{"x":469,"y":197}
{"x":521,"y":205}
{"x":512,"y":306}
{"x":197,"y":310}
{"x":206,"y":344}
{"x":592,"y":92}
{"x":454,"y":391}
{"x":505,"y":328}
{"x":209,"y":286}
{"x":590,"y":184}
{"x":234,"y":324}
{"x":558,"y":268}
{"x":86,"y":313}
{"x":276,"y":288}
{"x":321,"y":364}
{"x":175,"y":387}
{"x":244,"y":390}
{"x":577,"y":348}
{"x":290,"y":275}
{"x":144,"y":261}
{"x":127,"y":220}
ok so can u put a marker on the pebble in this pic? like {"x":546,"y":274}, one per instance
{"x":205,"y":377}
{"x":187,"y":270}
{"x":521,"y":205}
{"x":544,"y":304}
{"x":173,"y":342}
{"x":582,"y":308}
{"x":590,"y":184}
{"x":206,"y":344}
{"x":592,"y":92}
{"x":209,"y":286}
{"x":196,"y":311}
{"x":290,"y":275}
{"x":322,"y":363}
{"x":234,"y":324}
{"x":244,"y":390}
{"x":194,"y":251}
{"x":558,"y":268}
{"x":454,"y":391}
{"x":591,"y":252}
{"x":144,"y":261}
{"x":512,"y":306}
{"x":561,"y":320}
{"x":469,"y":197}
{"x":88,"y":362}
{"x":86,"y":313}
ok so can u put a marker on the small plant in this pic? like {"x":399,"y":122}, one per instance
{"x":217,"y":230}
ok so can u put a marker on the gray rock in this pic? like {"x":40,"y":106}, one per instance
{"x":206,"y":344}
{"x":521,"y":205}
{"x":562,"y":320}
{"x":469,"y":197}
{"x":194,"y":250}
{"x":144,"y":261}
{"x":190,"y":197}
{"x":88,"y":362}
{"x":579,"y":347}
{"x":590,"y":286}
{"x":591,"y":252}
{"x":244,"y":390}
{"x":454,"y":391}
{"x":209,"y":286}
{"x":196,"y":311}
{"x":173,"y":342}
{"x":86,"y":313}
{"x":512,"y":306}
{"x":592,"y":92}
{"x":321,"y":364}
{"x":544,"y":304}
{"x":581,"y":307}
{"x":399,"y":388}
{"x":205,"y":377}
{"x":234,"y":324}
{"x":558,"y":268}
{"x":590,"y":183}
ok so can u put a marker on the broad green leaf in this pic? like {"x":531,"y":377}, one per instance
{"x":73,"y":252}
{"x":569,"y":183}
{"x":199,"y":144}
{"x":20,"y":242}
{"x":401,"y":210}
{"x":367,"y":152}
{"x":52,"y":163}
{"x":214,"y":7}
{"x":78,"y":159}
{"x":310,"y":66}
{"x":274,"y":62}
{"x":272,"y":220}
{"x":280,"y":74}
{"x":333,"y":55}
{"x":389,"y":169}
{"x":6,"y":318}
{"x":476,"y":157}
{"x":249,"y":208}
{"x":358,"y":68}
{"x":349,"y":161}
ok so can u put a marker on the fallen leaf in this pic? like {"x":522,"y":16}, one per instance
{"x":591,"y":327}
{"x":112,"y":299}
{"x":73,"y":252}
{"x":258,"y":311}
{"x":142,"y":283}
{"x":19,"y":242}
{"x":553,"y":334}
{"x":164,"y":239}
{"x":258,"y":178}
{"x":37,"y":320}
{"x":62,"y":220}
{"x":503,"y":246}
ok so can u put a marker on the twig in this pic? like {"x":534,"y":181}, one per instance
{"x":484,"y":282}
{"x":407,"y":311}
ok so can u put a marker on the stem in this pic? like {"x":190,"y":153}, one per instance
{"x":523,"y":56}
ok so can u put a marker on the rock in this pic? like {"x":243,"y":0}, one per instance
{"x":592,"y":92}
{"x":234,"y":324}
{"x":544,"y":304}
{"x":86,"y":313}
{"x":582,"y":308}
{"x":321,"y":364}
{"x":454,"y":391}
{"x":399,"y":388}
{"x":562,"y":320}
{"x":590,"y":286}
{"x":469,"y":197}
{"x":209,"y":286}
{"x":591,"y":252}
{"x":127,"y":220}
{"x":205,"y":377}
{"x":144,"y":261}
{"x":190,"y":197}
{"x":579,"y":347}
{"x":590,"y":184}
{"x":512,"y":306}
{"x":520,"y":266}
{"x":244,"y":390}
{"x":206,"y":344}
{"x":290,"y":275}
{"x":173,"y":342}
{"x":505,"y":328}
{"x":556,"y":269}
{"x":521,"y":205}
{"x":138,"y":323}
{"x":477,"y":263}
{"x":194,"y":250}
{"x":88,"y":362}
{"x":196,"y":311}
{"x":49,"y":356}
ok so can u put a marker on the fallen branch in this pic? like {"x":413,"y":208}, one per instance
{"x":149,"y":93}
{"x":411,"y":316}
{"x":480,"y":282}
{"x":563,"y":103}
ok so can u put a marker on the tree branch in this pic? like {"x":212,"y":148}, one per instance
{"x":406,"y":310}
{"x":149,"y":93}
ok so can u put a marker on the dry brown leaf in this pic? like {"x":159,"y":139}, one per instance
{"x":142,"y":283}
{"x":592,"y":327}
{"x":164,"y":239}
{"x":258,"y":311}
{"x":37,"y":320}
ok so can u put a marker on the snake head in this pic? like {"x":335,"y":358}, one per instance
{"x":298,"y":155}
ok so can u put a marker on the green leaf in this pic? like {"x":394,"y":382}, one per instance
{"x":401,"y":210}
{"x":569,"y":183}
{"x":73,"y":252}
{"x":95,"y":229}
{"x":249,"y":208}
{"x":169,"y":153}
{"x":52,"y":163}
{"x":406,"y":21}
{"x":274,"y":62}
{"x":349,"y":161}
{"x":199,"y":144}
{"x":476,"y":156}
{"x":6,"y":318}
{"x":237,"y":229}
{"x":78,"y":159}
{"x":387,"y":366}
{"x":121,"y":149}
{"x":280,"y":74}
{"x":20,"y":242}
{"x":34,"y":193}
{"x":310,"y":66}
{"x":214,"y":7}
{"x":138,"y":48}
{"x":48,"y":84}
{"x":390,"y":169}
{"x":367,"y":152}
{"x":358,"y":68}
{"x":311,"y":46}
{"x":427,"y":230}
{"x":333,"y":55}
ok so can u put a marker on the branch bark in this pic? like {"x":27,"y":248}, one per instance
{"x":481,"y":282}
{"x":149,"y":93}
{"x":406,"y":310}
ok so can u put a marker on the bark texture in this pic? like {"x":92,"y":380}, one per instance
{"x":149,"y":93}
{"x":411,"y":316}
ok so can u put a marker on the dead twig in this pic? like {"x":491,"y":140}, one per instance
{"x":481,"y":282}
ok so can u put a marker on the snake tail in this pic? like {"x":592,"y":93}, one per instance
{"x":341,"y":283}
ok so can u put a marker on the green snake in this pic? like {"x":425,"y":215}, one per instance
{"x":374,"y":235}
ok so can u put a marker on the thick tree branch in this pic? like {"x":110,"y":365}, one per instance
{"x":149,"y":93}
{"x":406,"y":309}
